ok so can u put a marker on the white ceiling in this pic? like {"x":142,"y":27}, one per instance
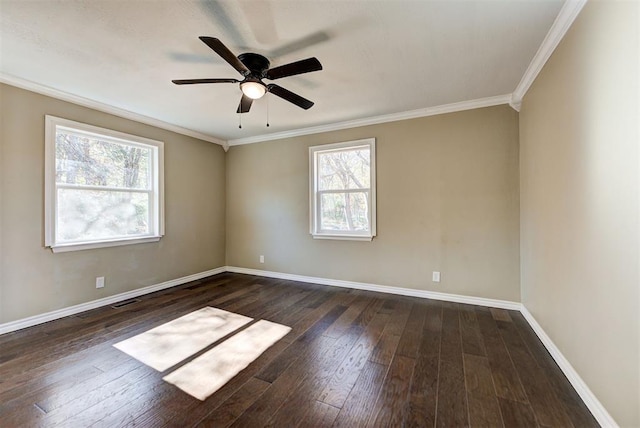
{"x":379,"y":57}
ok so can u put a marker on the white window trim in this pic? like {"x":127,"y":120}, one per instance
{"x":314,"y":206}
{"x":50,"y":209}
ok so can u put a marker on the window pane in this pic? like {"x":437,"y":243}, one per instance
{"x":86,"y":160}
{"x":344,"y":169}
{"x":344,"y":211}
{"x":96,"y":214}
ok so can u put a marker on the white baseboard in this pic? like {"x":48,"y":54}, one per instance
{"x":72,"y":310}
{"x":595,"y":406}
{"x":481,"y":301}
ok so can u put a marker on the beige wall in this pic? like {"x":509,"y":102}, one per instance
{"x":447,"y":200}
{"x":33,"y":280}
{"x":579,"y":203}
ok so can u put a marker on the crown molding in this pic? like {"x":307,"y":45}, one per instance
{"x":412,"y":114}
{"x":561,"y":25}
{"x":105,"y":108}
{"x":559,"y":28}
{"x":515,"y":103}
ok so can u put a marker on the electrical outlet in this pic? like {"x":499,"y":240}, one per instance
{"x":436,"y":276}
{"x":261,"y":258}
{"x":100,"y":282}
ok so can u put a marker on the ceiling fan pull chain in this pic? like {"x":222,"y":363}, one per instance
{"x":267,"y":111}
{"x":240,"y":120}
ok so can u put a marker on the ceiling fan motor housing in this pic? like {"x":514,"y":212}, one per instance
{"x":256,"y":63}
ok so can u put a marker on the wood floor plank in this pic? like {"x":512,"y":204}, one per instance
{"x":317,"y":376}
{"x":193,"y":410}
{"x":56,"y":330}
{"x":477,"y":373}
{"x":452,"y":398}
{"x":104,"y":399}
{"x":23,"y":415}
{"x":505,"y":376}
{"x":410,"y":339}
{"x":271,"y":372}
{"x":421,"y":406}
{"x":340,"y":385}
{"x":321,"y":415}
{"x":47,"y":385}
{"x":452,"y":409}
{"x":97,"y":333}
{"x":50,"y":371}
{"x":386,"y":348}
{"x":236,"y":404}
{"x":574,"y":407}
{"x":358,"y":406}
{"x":548,"y":408}
{"x":345,"y":320}
{"x":198,"y":411}
{"x":352,"y":358}
{"x":270,"y":292}
{"x":50,"y":402}
{"x":451,"y":346}
{"x":516,"y":414}
{"x":390,"y":409}
{"x":281,"y":389}
{"x":370,"y":312}
{"x":472,"y":342}
{"x":154,"y":396}
{"x":342,"y":299}
{"x":500,"y":314}
{"x":273,"y":362}
{"x":484,"y":411}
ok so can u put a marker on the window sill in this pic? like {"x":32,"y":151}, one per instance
{"x":63,"y":248}
{"x":344,"y":237}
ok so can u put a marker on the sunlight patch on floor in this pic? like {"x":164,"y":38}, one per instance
{"x":175,"y":342}
{"x":169,"y":344}
{"x":209,"y":372}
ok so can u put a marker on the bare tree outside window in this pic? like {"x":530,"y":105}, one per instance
{"x":342,"y":178}
{"x":97,"y":179}
{"x":340,"y":173}
{"x":102,"y":187}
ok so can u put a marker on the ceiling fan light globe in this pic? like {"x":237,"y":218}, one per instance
{"x":253,"y":90}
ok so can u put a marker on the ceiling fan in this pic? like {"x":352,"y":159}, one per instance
{"x":254,"y":68}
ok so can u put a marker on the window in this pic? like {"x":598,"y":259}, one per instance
{"x":102,"y":187}
{"x":343,"y":190}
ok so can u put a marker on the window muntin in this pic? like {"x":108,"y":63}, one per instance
{"x":104,"y":188}
{"x":342,"y":190}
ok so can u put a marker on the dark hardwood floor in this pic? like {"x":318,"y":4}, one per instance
{"x":353,"y":358}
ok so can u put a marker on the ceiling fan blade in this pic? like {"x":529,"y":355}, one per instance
{"x":299,"y":67}
{"x":195,"y":81}
{"x":296,"y":45}
{"x":192,"y":58}
{"x":259,"y":16}
{"x":219,"y":48}
{"x":245,"y":104}
{"x":290,"y":96}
